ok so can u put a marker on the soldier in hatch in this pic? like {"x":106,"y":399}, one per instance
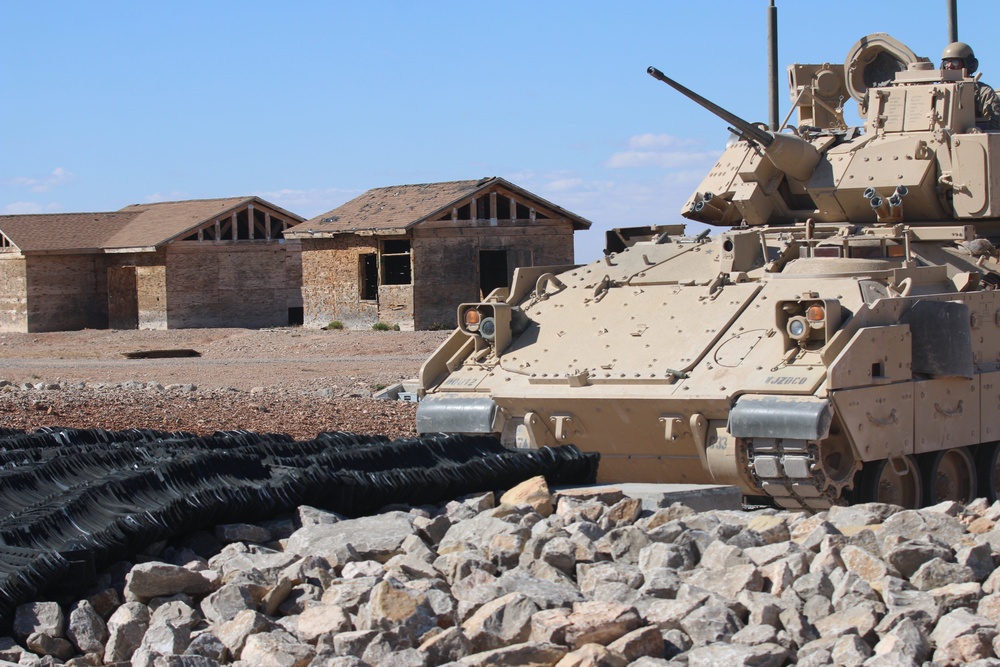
{"x":959,"y":55}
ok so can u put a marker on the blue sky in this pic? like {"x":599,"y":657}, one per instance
{"x":309,"y":104}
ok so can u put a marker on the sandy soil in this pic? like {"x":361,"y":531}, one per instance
{"x":290,"y":380}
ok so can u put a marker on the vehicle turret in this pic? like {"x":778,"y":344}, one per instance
{"x":919,"y":141}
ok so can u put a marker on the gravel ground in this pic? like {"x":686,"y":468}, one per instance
{"x":288,"y":380}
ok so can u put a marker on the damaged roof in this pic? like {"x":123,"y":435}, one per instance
{"x":144,"y":226}
{"x":399,"y":207}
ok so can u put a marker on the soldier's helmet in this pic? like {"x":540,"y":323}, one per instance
{"x":961,"y":50}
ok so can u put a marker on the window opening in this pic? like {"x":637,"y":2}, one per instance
{"x":369,"y":277}
{"x":503,"y":207}
{"x":396,"y":262}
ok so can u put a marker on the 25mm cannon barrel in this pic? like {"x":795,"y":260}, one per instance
{"x":746,"y":129}
{"x":791,"y":154}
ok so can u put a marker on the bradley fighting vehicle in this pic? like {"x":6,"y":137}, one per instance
{"x":838,"y":342}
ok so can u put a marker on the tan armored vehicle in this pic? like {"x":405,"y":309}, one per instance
{"x":839,"y":342}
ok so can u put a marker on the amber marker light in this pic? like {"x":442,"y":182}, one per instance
{"x":472,"y":318}
{"x":815,"y":313}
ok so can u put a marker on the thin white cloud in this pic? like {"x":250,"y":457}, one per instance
{"x":57,"y":177}
{"x":311,"y":202}
{"x":158,"y":197}
{"x":30,"y":208}
{"x":661,"y":151}
{"x":658,"y":141}
{"x":632,"y":201}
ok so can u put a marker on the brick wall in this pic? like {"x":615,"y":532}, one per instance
{"x":231,"y":285}
{"x":13,"y":293}
{"x":64,"y":292}
{"x":331,"y":282}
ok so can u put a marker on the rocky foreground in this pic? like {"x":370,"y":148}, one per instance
{"x":579,"y":578}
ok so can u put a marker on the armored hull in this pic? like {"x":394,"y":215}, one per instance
{"x":839,"y":342}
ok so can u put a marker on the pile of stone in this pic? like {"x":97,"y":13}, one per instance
{"x":580,"y":578}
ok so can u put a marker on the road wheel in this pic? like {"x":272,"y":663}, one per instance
{"x":882,"y":482}
{"x":988,"y":469}
{"x":949,"y":474}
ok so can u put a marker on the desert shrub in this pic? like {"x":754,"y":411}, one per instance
{"x":335,"y":325}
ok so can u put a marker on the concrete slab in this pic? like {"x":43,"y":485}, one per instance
{"x":699,"y":497}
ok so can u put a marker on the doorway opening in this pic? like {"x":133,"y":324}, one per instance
{"x":492,"y":271}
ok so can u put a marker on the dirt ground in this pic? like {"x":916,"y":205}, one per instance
{"x":285,"y":380}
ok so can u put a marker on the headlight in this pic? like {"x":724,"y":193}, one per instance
{"x":798,"y":328}
{"x":489,"y":322}
{"x":809,"y":321}
{"x":488,"y":328}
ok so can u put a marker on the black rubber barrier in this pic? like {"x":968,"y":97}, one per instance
{"x":74,"y":501}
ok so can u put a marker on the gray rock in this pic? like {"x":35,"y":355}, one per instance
{"x":500,"y":622}
{"x":396,"y":609}
{"x":958,"y":623}
{"x":597,"y":622}
{"x":643,"y":642}
{"x":953,"y":596}
{"x":661,"y":583}
{"x":310,"y":516}
{"x":710,"y":623}
{"x":349,"y":594}
{"x":761,"y":655}
{"x":458,"y":565}
{"x":126,"y":628}
{"x":560,"y":553}
{"x":150,"y":580}
{"x":751,"y":635}
{"x":477,"y":533}
{"x":798,"y":627}
{"x":86,"y":629}
{"x":850,"y":651}
{"x":936,"y":573}
{"x":907,"y":556}
{"x":542,"y":592}
{"x":39,"y":617}
{"x":907,"y":523}
{"x":718,"y":556}
{"x":226,"y":602}
{"x":864,"y":514}
{"x":377,"y":538}
{"x":622,"y":544}
{"x":727,"y":583}
{"x":812,"y":584}
{"x":318,"y":620}
{"x":207,"y":645}
{"x":234,"y":633}
{"x":978,"y":558}
{"x":527,"y":653}
{"x":184,"y":661}
{"x":353,"y":642}
{"x":859,"y":619}
{"x":448,"y":645}
{"x":432,"y":529}
{"x":591,"y":575}
{"x":906,"y":639}
{"x":47,"y":645}
{"x":659,"y":556}
{"x":276,"y":649}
